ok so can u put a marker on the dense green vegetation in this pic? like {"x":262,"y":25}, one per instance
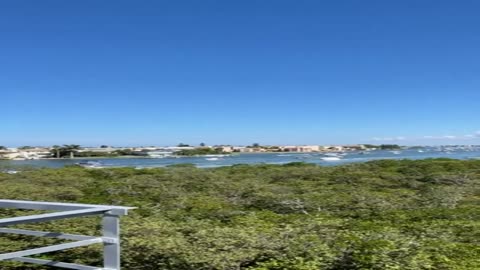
{"x":129,"y":152}
{"x":96,"y":154}
{"x":200,"y":151}
{"x":389,"y":214}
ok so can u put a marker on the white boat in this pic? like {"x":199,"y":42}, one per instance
{"x":333,"y":154}
{"x":303,"y":156}
{"x":89,"y":164}
{"x":396,"y":152}
{"x":159,"y":154}
{"x":330,"y":158}
{"x":212,"y":159}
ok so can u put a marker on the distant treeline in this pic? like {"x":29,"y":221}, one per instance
{"x":200,"y":151}
{"x":384,"y":146}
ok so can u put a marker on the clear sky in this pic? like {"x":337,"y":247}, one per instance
{"x":239,"y":71}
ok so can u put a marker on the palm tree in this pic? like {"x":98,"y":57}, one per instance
{"x":183,"y":145}
{"x":65,"y":150}
{"x":71,"y":149}
{"x":56,"y":150}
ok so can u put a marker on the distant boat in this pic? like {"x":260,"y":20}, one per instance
{"x":420,"y":151}
{"x":330,"y":158}
{"x":89,"y":164}
{"x":10,"y":171}
{"x":333,"y":154}
{"x":212,"y":159}
{"x":396,"y":152}
{"x":303,"y":156}
{"x":160,"y":154}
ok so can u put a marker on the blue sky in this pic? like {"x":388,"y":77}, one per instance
{"x":238,"y":72}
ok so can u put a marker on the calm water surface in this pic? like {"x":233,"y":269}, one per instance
{"x":269,"y":158}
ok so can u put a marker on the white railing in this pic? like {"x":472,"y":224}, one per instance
{"x":110,"y":227}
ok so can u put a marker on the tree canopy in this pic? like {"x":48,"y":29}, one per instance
{"x":67,"y":150}
{"x":386,"y":214}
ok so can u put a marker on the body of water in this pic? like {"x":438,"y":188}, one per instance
{"x":257,"y":158}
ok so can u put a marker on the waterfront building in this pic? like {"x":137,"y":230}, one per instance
{"x":224,"y":148}
{"x":26,"y":153}
{"x":301,"y":148}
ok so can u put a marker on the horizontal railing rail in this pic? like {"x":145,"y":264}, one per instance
{"x":110,"y":228}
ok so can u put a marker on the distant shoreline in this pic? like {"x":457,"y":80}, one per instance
{"x":171,"y":156}
{"x":219,"y":160}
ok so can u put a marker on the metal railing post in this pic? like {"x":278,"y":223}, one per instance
{"x":111,"y":250}
{"x":110,"y":227}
